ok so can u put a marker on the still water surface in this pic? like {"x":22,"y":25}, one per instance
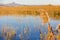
{"x":32,"y":24}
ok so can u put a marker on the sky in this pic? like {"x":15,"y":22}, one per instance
{"x":32,"y":2}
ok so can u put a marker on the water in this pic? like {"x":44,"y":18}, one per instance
{"x":30,"y":23}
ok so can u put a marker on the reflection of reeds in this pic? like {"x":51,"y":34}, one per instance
{"x":24,"y":35}
{"x":8,"y":33}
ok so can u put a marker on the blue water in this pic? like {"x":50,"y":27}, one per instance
{"x":33,"y":24}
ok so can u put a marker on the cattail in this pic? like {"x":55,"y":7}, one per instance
{"x":58,"y":36}
{"x":58,"y":32}
{"x":41,"y":36}
{"x":49,"y":28}
{"x":50,"y":34}
{"x":58,"y":28}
